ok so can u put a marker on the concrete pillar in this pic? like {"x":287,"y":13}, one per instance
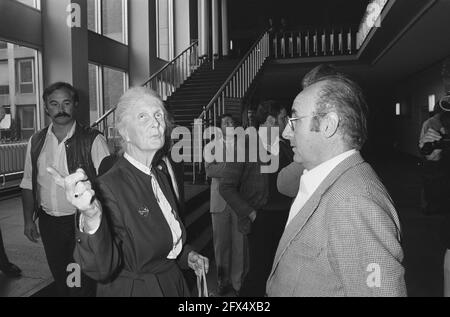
{"x":215,"y":28}
{"x":12,"y":80}
{"x":139,"y":41}
{"x":181,"y":26}
{"x":203,"y":31}
{"x":225,"y":40}
{"x":65,"y":57}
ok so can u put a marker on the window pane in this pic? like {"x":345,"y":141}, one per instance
{"x":113,"y":87}
{"x":163,"y":29}
{"x":31,"y":3}
{"x":92,"y":15}
{"x":26,"y":71}
{"x":93,"y":91}
{"x":26,"y":88}
{"x":4,"y":78}
{"x":27,"y":118}
{"x":4,"y":90}
{"x":25,"y":76}
{"x":17,"y":93}
{"x":112,"y":19}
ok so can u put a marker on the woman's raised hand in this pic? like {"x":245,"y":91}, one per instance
{"x":78,"y":190}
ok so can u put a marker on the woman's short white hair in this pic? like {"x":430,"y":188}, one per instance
{"x":129,"y":100}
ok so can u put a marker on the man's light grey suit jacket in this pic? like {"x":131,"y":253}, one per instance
{"x":345,"y":241}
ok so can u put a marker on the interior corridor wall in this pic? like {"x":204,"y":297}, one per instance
{"x":413,"y":94}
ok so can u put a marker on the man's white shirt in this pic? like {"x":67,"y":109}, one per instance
{"x":311,"y":180}
{"x":53,"y":154}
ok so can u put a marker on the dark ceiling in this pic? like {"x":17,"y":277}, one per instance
{"x":254,"y":14}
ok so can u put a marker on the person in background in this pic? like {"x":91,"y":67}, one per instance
{"x":436,"y":161}
{"x":65,"y":145}
{"x":130,"y":237}
{"x":230,"y":247}
{"x":271,"y":220}
{"x":245,"y":189}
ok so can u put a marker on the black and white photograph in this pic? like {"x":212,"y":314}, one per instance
{"x":224,"y":153}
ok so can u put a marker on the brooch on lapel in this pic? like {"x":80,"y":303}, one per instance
{"x":143,"y":211}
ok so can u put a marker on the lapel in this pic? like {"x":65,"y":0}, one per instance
{"x":299,"y":221}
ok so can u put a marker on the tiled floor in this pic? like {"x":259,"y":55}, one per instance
{"x":28,"y":256}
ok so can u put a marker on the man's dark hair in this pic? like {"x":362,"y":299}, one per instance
{"x":317,"y":73}
{"x":60,"y":85}
{"x":344,"y":96}
{"x":225,"y":115}
{"x":266,"y":109}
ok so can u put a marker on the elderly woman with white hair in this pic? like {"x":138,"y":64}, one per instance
{"x":130,"y":235}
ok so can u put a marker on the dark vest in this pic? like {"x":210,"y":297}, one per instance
{"x":78,"y":155}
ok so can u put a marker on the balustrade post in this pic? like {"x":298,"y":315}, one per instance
{"x":332,"y":42}
{"x":291,"y":44}
{"x":255,"y":54}
{"x":242,"y":83}
{"x":349,"y":41}
{"x":275,"y":46}
{"x":324,"y":44}
{"x":315,"y":48}
{"x":247,"y":64}
{"x":307,"y":43}
{"x":223,"y":103}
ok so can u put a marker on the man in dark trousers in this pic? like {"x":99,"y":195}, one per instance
{"x":8,"y":268}
{"x":258,"y":189}
{"x":66,"y":146}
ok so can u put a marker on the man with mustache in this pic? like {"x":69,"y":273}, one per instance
{"x":66,"y":146}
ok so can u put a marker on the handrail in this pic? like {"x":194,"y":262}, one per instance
{"x":166,"y":80}
{"x":236,"y":69}
{"x":174,"y":73}
{"x":235,"y":86}
{"x":106,"y":114}
{"x":168,"y":63}
{"x":314,"y":42}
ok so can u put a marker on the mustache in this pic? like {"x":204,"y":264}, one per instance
{"x":62,"y":114}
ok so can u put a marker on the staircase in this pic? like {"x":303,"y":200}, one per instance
{"x":196,"y":92}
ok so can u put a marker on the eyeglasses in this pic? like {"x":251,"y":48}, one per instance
{"x":291,"y":121}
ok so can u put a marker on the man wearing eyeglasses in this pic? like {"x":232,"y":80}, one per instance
{"x":289,"y":177}
{"x":342,"y":237}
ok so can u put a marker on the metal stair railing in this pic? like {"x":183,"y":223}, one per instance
{"x":313,"y":42}
{"x":235,"y":86}
{"x":172,"y":75}
{"x":165,"y":81}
